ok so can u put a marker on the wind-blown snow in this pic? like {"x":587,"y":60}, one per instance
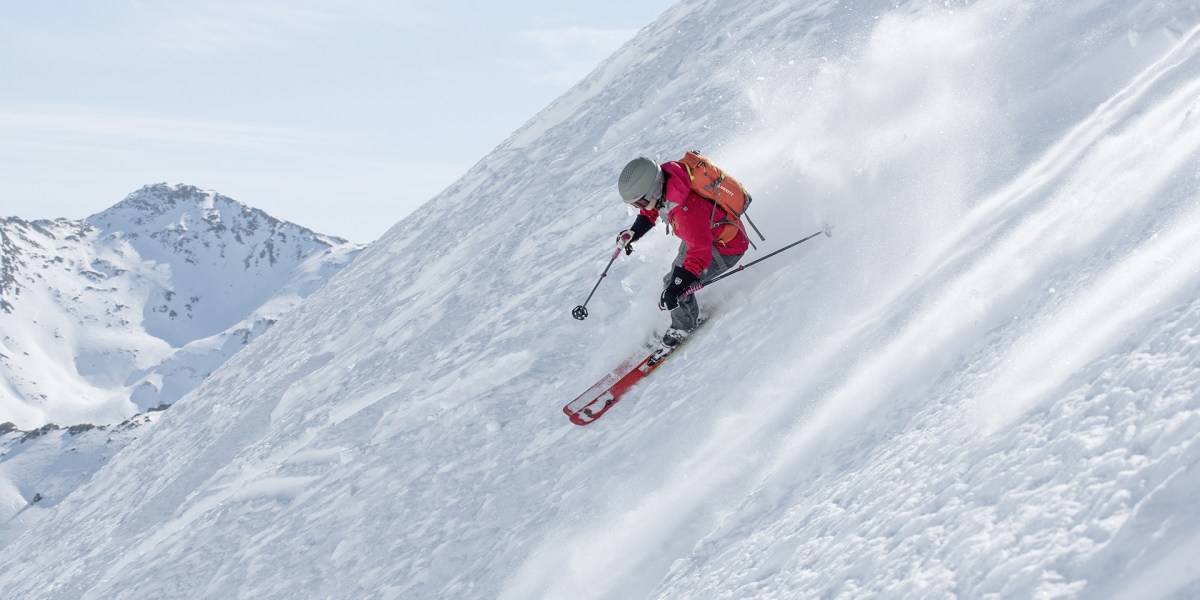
{"x":983,"y":384}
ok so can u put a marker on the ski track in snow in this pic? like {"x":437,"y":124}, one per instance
{"x":984,"y":384}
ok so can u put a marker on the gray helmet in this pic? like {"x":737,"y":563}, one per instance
{"x":641,"y":177}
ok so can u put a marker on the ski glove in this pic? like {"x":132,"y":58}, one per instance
{"x":635,"y":232}
{"x":681,"y":280}
{"x":625,"y":241}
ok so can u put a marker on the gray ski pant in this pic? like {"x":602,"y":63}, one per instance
{"x":687,"y":315}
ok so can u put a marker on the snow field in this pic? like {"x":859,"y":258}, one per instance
{"x":905,"y":409}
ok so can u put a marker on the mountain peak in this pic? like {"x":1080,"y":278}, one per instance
{"x":168,"y":212}
{"x":164,"y":206}
{"x":158,"y":198}
{"x":165,"y":284}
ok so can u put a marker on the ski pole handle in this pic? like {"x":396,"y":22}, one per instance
{"x":698,"y":286}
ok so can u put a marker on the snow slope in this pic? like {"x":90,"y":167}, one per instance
{"x":124,"y":313}
{"x":129,"y":309}
{"x":39,"y":468}
{"x":985,"y":384}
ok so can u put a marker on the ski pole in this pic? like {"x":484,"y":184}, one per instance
{"x":696,"y":288}
{"x":580,"y":312}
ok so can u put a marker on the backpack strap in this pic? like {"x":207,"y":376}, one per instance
{"x":712,"y":222}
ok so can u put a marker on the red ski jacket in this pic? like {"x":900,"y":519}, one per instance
{"x":692,"y":217}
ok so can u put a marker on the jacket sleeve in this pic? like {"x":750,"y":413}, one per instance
{"x":692,"y":226}
{"x":677,"y":185}
{"x":691,"y":223}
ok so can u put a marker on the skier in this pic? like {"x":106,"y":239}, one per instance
{"x":708,"y":247}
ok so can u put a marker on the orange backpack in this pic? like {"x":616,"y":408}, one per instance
{"x":713,"y":184}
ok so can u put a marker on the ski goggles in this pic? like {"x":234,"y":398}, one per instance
{"x":644,"y":202}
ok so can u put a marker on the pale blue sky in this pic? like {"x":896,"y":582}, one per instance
{"x":340,"y":115}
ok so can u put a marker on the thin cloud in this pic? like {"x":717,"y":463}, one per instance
{"x":162,"y":31}
{"x":84,"y":126}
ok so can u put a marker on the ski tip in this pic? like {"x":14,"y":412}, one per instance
{"x":574,"y":416}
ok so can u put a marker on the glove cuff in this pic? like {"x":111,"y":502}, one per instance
{"x":683,"y":278}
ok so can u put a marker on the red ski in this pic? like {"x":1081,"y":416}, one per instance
{"x":593,"y":403}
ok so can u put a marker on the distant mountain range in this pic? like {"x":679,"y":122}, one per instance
{"x":129,"y":309}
